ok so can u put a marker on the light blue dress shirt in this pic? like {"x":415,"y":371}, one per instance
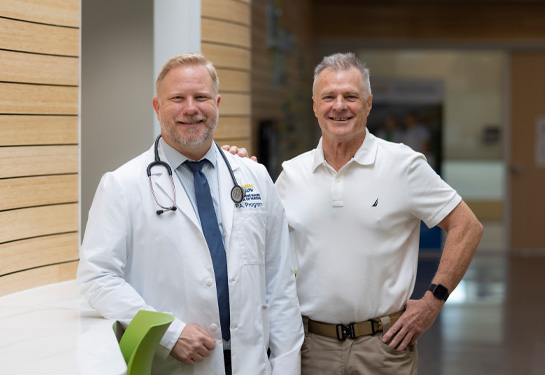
{"x":210,"y":170}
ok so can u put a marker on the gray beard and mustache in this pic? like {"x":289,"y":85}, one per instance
{"x":193,"y":137}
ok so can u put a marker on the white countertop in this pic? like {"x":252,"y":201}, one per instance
{"x":51,"y":330}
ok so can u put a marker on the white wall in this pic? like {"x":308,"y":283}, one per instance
{"x":124,"y":45}
{"x":116,"y":88}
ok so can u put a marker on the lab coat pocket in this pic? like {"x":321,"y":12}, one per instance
{"x":251,"y":230}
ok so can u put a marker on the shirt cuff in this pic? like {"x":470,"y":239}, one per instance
{"x":169,"y":339}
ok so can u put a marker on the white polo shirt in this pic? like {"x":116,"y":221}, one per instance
{"x":356,"y":231}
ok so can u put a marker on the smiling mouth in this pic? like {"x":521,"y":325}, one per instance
{"x":191,"y":121}
{"x":340,"y":118}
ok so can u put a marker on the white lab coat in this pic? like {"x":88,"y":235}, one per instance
{"x":133,"y":259}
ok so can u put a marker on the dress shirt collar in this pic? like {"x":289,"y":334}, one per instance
{"x":175,"y":158}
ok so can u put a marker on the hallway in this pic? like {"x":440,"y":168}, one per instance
{"x":491,"y":324}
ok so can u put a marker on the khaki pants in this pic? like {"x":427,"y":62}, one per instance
{"x":362,"y":356}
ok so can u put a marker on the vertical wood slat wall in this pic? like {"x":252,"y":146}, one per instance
{"x":226,"y":41}
{"x":39,"y":151}
{"x":282,"y":79}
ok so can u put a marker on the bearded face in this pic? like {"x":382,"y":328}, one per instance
{"x":187,"y":109}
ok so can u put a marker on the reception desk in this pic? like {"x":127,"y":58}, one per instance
{"x":51,"y":330}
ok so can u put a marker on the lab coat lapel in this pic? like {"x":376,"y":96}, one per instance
{"x":163,"y":190}
{"x":225,"y":186}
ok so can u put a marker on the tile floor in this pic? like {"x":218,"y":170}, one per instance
{"x":492,"y":323}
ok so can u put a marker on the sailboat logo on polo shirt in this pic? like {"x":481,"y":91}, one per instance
{"x":375,"y":204}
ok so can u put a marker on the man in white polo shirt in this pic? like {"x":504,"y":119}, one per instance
{"x":354,"y":206}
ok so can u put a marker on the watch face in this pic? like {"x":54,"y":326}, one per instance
{"x":440,"y":292}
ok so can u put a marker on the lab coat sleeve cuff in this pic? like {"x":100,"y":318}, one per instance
{"x":169,"y":339}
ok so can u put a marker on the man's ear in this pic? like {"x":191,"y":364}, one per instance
{"x":218,"y":101}
{"x":369,"y":104}
{"x":156,"y":105}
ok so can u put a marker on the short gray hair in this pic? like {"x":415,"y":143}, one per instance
{"x":344,"y":61}
{"x":192,"y":58}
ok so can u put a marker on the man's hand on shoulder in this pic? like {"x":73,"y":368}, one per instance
{"x":242,"y":152}
{"x":193,"y":345}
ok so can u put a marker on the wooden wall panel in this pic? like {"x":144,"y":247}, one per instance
{"x":25,"y":67}
{"x":38,"y":191}
{"x":20,"y":130}
{"x":39,"y":152}
{"x":234,"y":11}
{"x":235,"y":104}
{"x":34,"y":277}
{"x":225,"y":32}
{"x":234,"y":80}
{"x":233,"y":127}
{"x":53,"y":12}
{"x":226,"y":41}
{"x":38,"y":160}
{"x":526,"y":177}
{"x":227,"y":57}
{"x":38,"y":38}
{"x":38,"y":99}
{"x":37,"y":221}
{"x":421,"y":20}
{"x":36,"y":252}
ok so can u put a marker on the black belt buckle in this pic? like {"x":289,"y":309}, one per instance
{"x":373,"y":322}
{"x":345,"y":331}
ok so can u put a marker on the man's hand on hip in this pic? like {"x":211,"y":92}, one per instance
{"x":193,"y":345}
{"x":417,"y":319}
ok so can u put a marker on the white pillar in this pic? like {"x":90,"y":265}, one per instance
{"x":176,"y":30}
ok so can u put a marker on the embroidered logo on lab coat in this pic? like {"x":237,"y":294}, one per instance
{"x":252,"y":199}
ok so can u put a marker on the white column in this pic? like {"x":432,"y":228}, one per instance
{"x":176,"y":30}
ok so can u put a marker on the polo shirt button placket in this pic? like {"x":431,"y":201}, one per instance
{"x":337,"y":192}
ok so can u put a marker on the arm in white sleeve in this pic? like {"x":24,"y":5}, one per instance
{"x":103,"y":260}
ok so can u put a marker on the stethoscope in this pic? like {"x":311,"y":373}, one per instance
{"x":237,"y":192}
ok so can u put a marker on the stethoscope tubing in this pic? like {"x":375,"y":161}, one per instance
{"x":237,"y":192}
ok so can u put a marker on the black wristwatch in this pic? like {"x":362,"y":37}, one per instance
{"x":439,"y":291}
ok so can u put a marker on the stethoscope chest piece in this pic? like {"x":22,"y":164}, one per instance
{"x":238,"y":193}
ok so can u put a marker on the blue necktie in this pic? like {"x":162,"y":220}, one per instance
{"x":211,"y":230}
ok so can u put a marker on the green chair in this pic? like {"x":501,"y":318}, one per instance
{"x":141,"y":338}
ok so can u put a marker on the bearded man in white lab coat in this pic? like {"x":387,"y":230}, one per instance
{"x":144,"y":247}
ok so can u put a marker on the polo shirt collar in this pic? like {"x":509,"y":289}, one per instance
{"x":319,"y":158}
{"x":365,"y":155}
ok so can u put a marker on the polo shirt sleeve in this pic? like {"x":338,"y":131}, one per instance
{"x":280,"y":186}
{"x":430,"y":198}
